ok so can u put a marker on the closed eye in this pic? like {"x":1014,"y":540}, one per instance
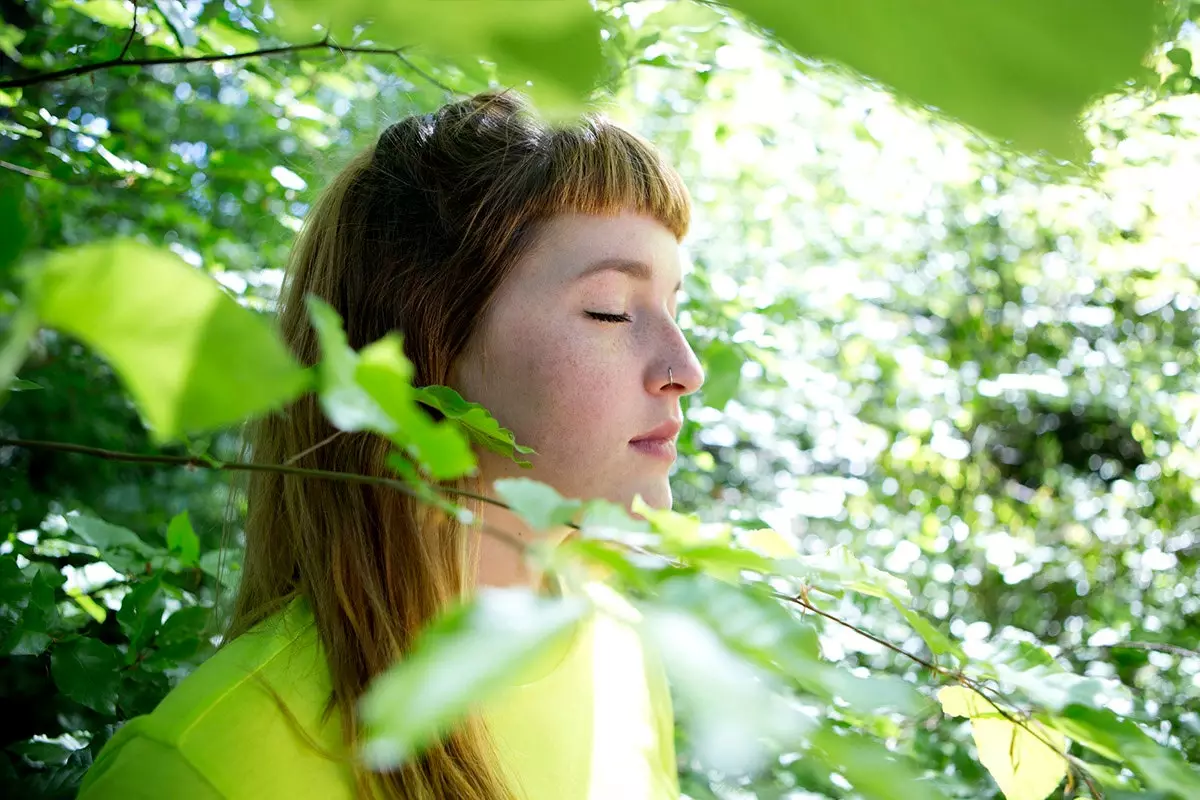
{"x":602,"y":317}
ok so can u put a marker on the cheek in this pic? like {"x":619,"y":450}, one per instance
{"x":560,"y":393}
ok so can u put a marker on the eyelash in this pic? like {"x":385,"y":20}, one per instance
{"x":602,"y":317}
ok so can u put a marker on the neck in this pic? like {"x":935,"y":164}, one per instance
{"x":503,"y":561}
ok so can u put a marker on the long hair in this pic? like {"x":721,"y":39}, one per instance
{"x":414,"y":235}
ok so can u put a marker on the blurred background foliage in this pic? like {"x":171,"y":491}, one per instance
{"x":974,"y":366}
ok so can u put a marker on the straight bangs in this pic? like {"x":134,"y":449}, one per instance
{"x":603,"y":169}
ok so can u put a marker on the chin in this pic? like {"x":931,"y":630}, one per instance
{"x":656,"y":494}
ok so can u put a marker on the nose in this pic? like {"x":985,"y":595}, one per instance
{"x":677,"y":370}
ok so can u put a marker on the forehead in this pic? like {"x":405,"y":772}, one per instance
{"x":569,"y":246}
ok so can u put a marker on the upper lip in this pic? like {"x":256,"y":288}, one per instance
{"x":667,"y":430}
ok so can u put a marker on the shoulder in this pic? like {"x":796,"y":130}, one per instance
{"x":244,"y":724}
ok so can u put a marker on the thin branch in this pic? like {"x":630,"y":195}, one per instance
{"x":1161,"y":647}
{"x":975,"y":686}
{"x":30,"y":173}
{"x":206,"y":462}
{"x":315,"y":447}
{"x":132,"y":33}
{"x":323,"y":43}
{"x":408,"y":63}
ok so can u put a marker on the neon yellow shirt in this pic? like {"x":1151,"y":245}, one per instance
{"x":595,"y":725}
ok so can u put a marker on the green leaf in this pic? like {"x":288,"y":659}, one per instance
{"x":723,"y":374}
{"x":90,"y":606}
{"x":1023,"y":765}
{"x":678,"y":530}
{"x":439,"y":447}
{"x":840,"y":569}
{"x":477,"y":421}
{"x":121,"y":548}
{"x":20,"y":385}
{"x":110,"y":13}
{"x":348,"y":405}
{"x":222,"y":565}
{"x":873,"y":770}
{"x":554,"y":45}
{"x":462,"y":658}
{"x":731,"y":706}
{"x":939,"y":643}
{"x":536,"y":503}
{"x":141,"y":613}
{"x":1022,"y":70}
{"x":372,"y":390}
{"x":225,"y":39}
{"x":183,"y":541}
{"x":192,"y":358}
{"x":1180,"y":57}
{"x":1121,"y":740}
{"x":180,"y":638}
{"x":88,"y":671}
{"x":10,"y":37}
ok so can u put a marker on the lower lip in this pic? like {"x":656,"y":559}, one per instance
{"x":656,"y":448}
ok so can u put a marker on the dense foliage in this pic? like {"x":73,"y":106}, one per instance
{"x":956,"y":359}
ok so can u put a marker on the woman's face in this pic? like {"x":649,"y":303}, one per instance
{"x":574,"y":353}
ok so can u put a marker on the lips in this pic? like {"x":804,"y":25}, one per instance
{"x":658,"y":442}
{"x":668,"y":430}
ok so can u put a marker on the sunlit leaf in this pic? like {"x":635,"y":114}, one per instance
{"x":372,"y":390}
{"x":460,"y":660}
{"x":537,"y":503}
{"x":193,"y":358}
{"x":1026,"y":762}
{"x":554,"y":45}
{"x":1023,"y":70}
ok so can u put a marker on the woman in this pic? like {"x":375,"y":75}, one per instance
{"x":535,"y":269}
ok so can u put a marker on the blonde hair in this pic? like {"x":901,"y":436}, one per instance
{"x":414,"y":235}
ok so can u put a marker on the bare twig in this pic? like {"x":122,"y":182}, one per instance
{"x":315,"y":447}
{"x":132,"y":33}
{"x":30,"y":173}
{"x":322,"y":44}
{"x":206,"y":462}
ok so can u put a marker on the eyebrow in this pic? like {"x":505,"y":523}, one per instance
{"x":638,"y":270}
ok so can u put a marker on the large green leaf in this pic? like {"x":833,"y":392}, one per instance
{"x":458,"y":661}
{"x":1021,"y":70}
{"x":554,"y":45}
{"x":193,"y":358}
{"x":88,"y":671}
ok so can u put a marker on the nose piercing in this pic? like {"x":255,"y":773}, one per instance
{"x":670,"y":377}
